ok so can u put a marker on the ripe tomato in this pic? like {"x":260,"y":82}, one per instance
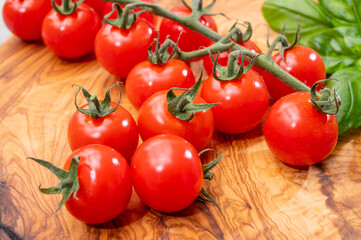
{"x":154,"y":119}
{"x":244,"y":102}
{"x":296,"y":133}
{"x":147,"y":78}
{"x":303,"y":63}
{"x":71,"y":36}
{"x":117,"y":130}
{"x":146,"y":15}
{"x":118,"y":50}
{"x":223,"y":58}
{"x":167,"y":173}
{"x":105,"y":184}
{"x":24,"y":17}
{"x":190,"y":40}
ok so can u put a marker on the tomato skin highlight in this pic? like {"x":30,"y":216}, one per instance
{"x":147,"y":78}
{"x":244,"y":101}
{"x":297,"y":134}
{"x":105,"y":184}
{"x":71,"y":36}
{"x":118,"y":51}
{"x":155,"y":119}
{"x":117,"y":130}
{"x":303,"y":63}
{"x":24,"y":17}
{"x":167,"y":173}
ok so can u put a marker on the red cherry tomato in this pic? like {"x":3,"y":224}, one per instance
{"x":147,"y":78}
{"x":118,"y":50}
{"x":71,"y":36}
{"x":303,"y":63}
{"x":24,"y":17}
{"x":190,"y":40}
{"x":146,"y":15}
{"x":117,"y":130}
{"x":223,"y":58}
{"x":167,"y":173}
{"x":296,"y":133}
{"x":154,"y":119}
{"x":244,"y":102}
{"x":105,"y":184}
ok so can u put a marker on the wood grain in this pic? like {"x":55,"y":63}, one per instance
{"x":260,"y":197}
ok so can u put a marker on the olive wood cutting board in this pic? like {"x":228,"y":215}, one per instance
{"x":260,"y":197}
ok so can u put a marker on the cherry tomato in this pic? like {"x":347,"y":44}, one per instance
{"x":117,"y":130}
{"x":98,"y":6}
{"x":118,"y":50}
{"x":296,"y":133}
{"x":147,"y":78}
{"x":189,"y":40}
{"x":167,"y":173}
{"x":71,"y":36}
{"x":223,"y":58}
{"x":154,"y":119}
{"x":105,"y":184}
{"x":244,"y":102}
{"x":146,"y":15}
{"x":24,"y":17}
{"x":303,"y":63}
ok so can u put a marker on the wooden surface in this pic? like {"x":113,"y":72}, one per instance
{"x":260,"y":197}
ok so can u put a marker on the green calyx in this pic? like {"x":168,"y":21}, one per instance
{"x":233,"y":70}
{"x":182,"y":106}
{"x":282,"y":42}
{"x":198,"y":10}
{"x":125,"y":19}
{"x":67,"y":7}
{"x":238,"y":36}
{"x":204,"y":195}
{"x":97,"y":109}
{"x":69,"y":182}
{"x":329,"y":101}
{"x":161,"y":54}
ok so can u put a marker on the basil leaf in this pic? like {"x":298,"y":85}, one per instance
{"x":343,"y":12}
{"x":339,"y":47}
{"x":349,"y":89}
{"x":306,"y":12}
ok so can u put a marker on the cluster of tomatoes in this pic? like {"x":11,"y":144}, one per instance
{"x":165,"y":169}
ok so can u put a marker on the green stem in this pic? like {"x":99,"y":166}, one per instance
{"x":262,"y":61}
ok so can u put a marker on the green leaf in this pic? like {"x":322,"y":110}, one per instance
{"x":349,"y":89}
{"x":343,"y":12}
{"x":339,"y":47}
{"x":306,"y":12}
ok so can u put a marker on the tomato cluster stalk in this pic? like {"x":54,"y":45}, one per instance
{"x":191,"y":21}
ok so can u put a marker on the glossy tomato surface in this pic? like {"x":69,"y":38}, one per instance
{"x":71,"y":36}
{"x":117,"y":130}
{"x":296,"y":133}
{"x":147,"y":78}
{"x":154,"y":119}
{"x":24,"y":17}
{"x":303,"y":63}
{"x":244,"y":102}
{"x":223,"y":58}
{"x":167,"y":173}
{"x":190,"y":40}
{"x":118,"y":51}
{"x":105,"y":184}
